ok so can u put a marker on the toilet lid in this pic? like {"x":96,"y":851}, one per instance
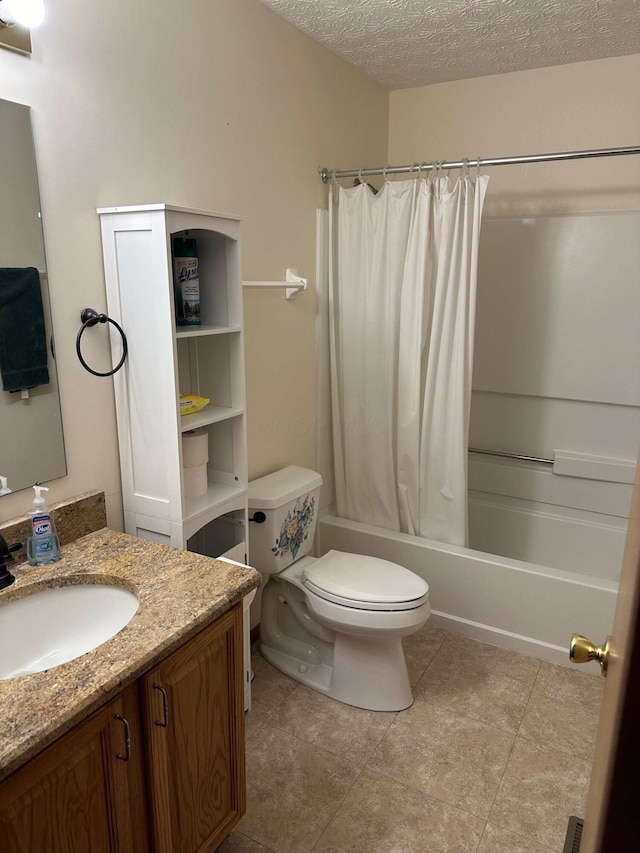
{"x":354,"y":579}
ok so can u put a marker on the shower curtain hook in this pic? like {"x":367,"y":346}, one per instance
{"x":424,"y":165}
{"x":465,"y":167}
{"x":478,"y":166}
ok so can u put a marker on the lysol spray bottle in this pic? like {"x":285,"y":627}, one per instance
{"x":186,"y":281}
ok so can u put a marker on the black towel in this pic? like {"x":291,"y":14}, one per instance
{"x":23,"y":343}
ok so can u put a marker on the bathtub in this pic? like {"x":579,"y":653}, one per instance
{"x":520,"y":606}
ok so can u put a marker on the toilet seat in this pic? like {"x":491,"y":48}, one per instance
{"x":364,"y":583}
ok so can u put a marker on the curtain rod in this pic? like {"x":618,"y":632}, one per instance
{"x":326,"y":175}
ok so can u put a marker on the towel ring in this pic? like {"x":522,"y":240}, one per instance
{"x":90,"y":317}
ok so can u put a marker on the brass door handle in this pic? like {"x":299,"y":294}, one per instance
{"x":583,"y":651}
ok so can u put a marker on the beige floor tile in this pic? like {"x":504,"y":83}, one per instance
{"x":496,"y":840}
{"x":560,"y":724}
{"x":420,"y":649}
{"x":563,"y":710}
{"x":456,"y":759}
{"x":293,"y":790}
{"x":253,"y":719}
{"x":479,"y":680}
{"x":561,"y":682}
{"x":382,"y":815}
{"x":270,"y":687}
{"x":238,"y":843}
{"x":540,"y":790}
{"x":349,"y":732}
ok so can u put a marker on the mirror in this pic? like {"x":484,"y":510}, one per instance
{"x":31,"y":439}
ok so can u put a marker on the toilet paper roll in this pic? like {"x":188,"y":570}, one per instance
{"x":195,"y":448}
{"x":195,"y":481}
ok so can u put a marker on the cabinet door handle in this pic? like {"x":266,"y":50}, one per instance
{"x":165,"y":707}
{"x":127,"y":739}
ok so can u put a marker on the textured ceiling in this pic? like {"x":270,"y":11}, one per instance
{"x":404,"y":43}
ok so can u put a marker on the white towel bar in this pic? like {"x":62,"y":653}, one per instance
{"x":293,"y":283}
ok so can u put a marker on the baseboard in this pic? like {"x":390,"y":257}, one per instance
{"x":506,"y":640}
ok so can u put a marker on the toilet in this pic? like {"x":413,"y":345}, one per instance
{"x":334,"y":623}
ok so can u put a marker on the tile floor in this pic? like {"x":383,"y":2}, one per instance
{"x":487,"y":760}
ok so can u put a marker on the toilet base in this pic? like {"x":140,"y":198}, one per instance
{"x":366,"y":674}
{"x":359,"y":664}
{"x":317,"y":676}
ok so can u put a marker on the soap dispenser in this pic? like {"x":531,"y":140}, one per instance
{"x":43,"y":546}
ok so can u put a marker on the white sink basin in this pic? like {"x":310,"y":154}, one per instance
{"x":53,"y":626}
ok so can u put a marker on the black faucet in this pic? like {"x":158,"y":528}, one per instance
{"x":6,"y":578}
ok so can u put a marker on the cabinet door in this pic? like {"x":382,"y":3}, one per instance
{"x":79,"y":794}
{"x":194,"y":729}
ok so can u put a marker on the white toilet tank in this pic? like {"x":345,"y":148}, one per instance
{"x":289,"y":500}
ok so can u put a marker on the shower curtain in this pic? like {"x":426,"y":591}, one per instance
{"x":402,"y":293}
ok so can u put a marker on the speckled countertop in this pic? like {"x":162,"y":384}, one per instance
{"x":180,"y":593}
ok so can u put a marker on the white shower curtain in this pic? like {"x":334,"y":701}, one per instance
{"x":402,"y":309}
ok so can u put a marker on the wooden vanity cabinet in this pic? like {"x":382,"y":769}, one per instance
{"x":82,"y":792}
{"x":194,"y":713}
{"x":178,"y":786}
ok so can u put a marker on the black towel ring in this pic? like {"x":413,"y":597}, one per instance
{"x":90,"y":317}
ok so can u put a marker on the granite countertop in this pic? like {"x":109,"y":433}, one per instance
{"x":180,"y":593}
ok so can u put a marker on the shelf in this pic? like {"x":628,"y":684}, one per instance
{"x":209,"y":415}
{"x":199,"y":511}
{"x":197,"y":331}
{"x":235,"y":554}
{"x":216,"y":495}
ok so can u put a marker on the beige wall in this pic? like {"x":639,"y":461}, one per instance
{"x":566,"y":108}
{"x":218,"y":105}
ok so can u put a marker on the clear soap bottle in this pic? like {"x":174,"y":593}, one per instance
{"x":43,"y":546}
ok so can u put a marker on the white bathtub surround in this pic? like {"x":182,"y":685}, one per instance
{"x":402,"y":302}
{"x":546,"y":515}
{"x":556,"y":340}
{"x":527,"y":608}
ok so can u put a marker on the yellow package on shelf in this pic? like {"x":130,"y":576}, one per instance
{"x":191,"y":403}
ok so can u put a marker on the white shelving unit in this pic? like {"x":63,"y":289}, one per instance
{"x":166,"y":360}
